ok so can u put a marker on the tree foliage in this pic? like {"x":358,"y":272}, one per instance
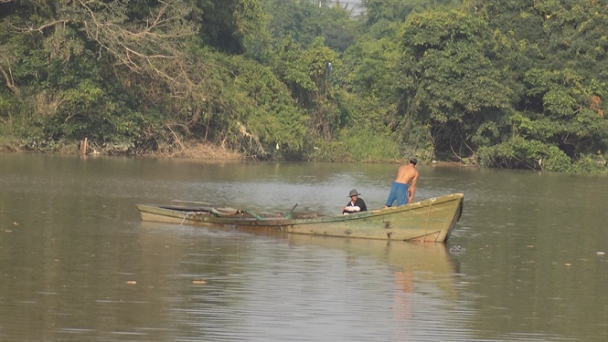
{"x":306,"y":21}
{"x":557,"y":52}
{"x":449,"y":82}
{"x":515,"y":83}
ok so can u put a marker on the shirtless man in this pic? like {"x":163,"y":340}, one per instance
{"x":400,"y":190}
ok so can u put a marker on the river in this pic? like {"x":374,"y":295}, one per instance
{"x":77,"y":263}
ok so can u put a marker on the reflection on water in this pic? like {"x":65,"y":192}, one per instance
{"x":77,"y":264}
{"x":262,"y":287}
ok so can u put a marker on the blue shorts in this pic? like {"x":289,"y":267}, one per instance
{"x":398,"y":193}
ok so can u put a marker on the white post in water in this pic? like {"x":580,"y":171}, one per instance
{"x":83,"y":146}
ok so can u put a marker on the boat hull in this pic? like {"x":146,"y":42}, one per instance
{"x":431,"y":220}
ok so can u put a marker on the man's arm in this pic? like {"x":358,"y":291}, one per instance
{"x":361,"y":204}
{"x":412,"y":189}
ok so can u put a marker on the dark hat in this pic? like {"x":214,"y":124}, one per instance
{"x":413,"y":160}
{"x":353,"y":192}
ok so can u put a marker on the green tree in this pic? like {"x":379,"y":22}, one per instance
{"x":227,"y":25}
{"x":251,"y":110}
{"x":134,"y":74}
{"x":305,"y":21}
{"x":397,"y":11}
{"x":307,"y":73}
{"x":556,"y":51}
{"x":448,"y":83}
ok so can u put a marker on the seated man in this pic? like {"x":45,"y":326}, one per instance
{"x":356,"y":204}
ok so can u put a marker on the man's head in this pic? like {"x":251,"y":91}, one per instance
{"x":353,"y":193}
{"x":413,"y":161}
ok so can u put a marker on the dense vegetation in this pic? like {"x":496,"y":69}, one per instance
{"x":514,"y":83}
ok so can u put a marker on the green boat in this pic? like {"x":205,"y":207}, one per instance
{"x":430,"y":220}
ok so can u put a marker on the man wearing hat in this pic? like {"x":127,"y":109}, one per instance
{"x":356,"y":204}
{"x":400,"y":190}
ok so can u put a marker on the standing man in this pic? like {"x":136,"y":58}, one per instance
{"x":400,"y":190}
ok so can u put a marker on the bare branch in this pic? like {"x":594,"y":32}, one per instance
{"x":148,"y":49}
{"x":153,"y":48}
{"x":10,"y":82}
{"x":39,"y":29}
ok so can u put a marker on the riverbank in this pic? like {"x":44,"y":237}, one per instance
{"x":186,"y":150}
{"x":195,"y":150}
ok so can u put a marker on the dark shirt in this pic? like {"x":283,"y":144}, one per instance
{"x":359,"y":203}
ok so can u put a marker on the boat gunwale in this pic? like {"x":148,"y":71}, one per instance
{"x":284,"y":221}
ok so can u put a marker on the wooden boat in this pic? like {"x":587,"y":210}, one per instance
{"x":430,"y":220}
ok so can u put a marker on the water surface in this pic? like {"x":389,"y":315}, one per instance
{"x":77,"y":263}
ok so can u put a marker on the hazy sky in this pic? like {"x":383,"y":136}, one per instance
{"x":352,"y":4}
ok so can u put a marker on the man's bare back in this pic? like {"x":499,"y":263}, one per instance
{"x":406,"y":174}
